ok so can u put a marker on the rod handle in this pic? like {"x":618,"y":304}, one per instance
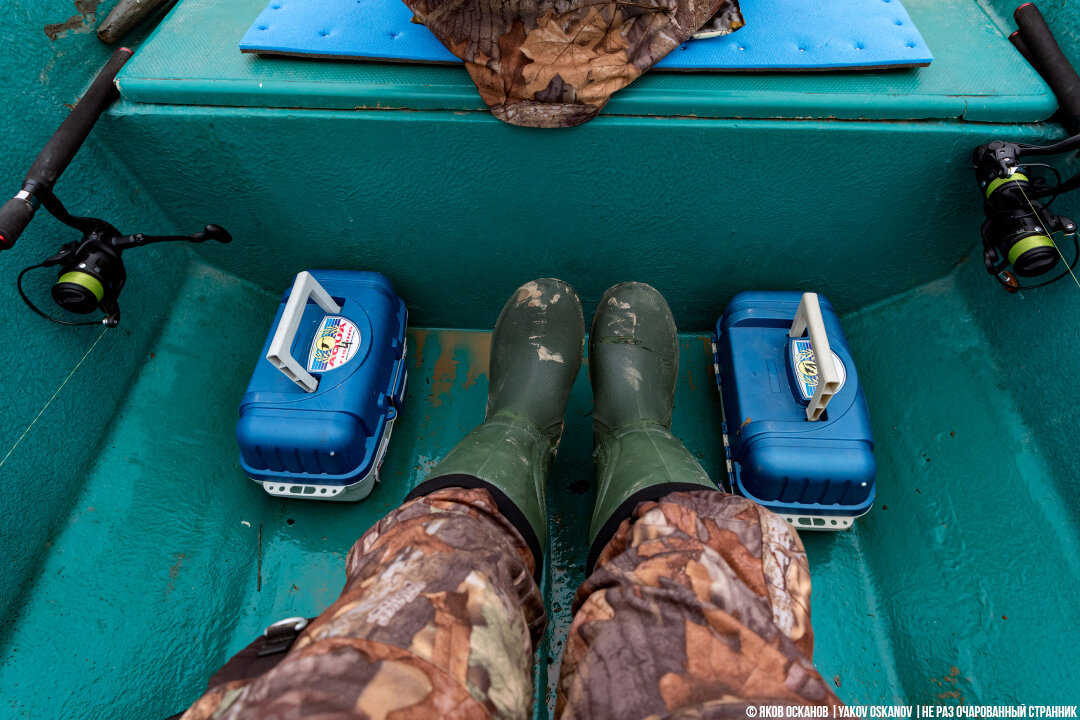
{"x":1051,"y":63}
{"x":15,"y":215}
{"x":57,"y":154}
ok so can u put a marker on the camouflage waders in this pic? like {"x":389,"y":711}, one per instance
{"x":699,"y":604}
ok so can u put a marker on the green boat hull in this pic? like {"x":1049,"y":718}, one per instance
{"x":140,"y":557}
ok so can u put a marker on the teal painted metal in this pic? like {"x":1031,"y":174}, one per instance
{"x":953,"y":589}
{"x":162,"y":549}
{"x":1033,"y":334}
{"x":1059,"y":14}
{"x":970,"y":516}
{"x":193,"y":59}
{"x":443,"y":203}
{"x":162,"y":553}
{"x":41,"y":478}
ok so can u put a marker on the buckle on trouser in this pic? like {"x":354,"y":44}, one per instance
{"x":280,"y":636}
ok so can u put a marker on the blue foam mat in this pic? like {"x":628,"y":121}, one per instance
{"x":779,"y":35}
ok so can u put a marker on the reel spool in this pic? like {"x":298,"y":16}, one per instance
{"x":1019,"y":230}
{"x":92,"y":272}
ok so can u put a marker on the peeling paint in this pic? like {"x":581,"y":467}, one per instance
{"x":424,"y":465}
{"x":84,"y":22}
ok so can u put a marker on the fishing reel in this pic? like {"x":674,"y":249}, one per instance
{"x":1019,"y":229}
{"x":92,"y":272}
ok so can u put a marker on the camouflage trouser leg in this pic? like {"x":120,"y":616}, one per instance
{"x":699,"y":605}
{"x":438,"y":619}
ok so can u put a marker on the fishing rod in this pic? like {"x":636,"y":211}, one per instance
{"x":1019,"y":228}
{"x":91,"y":271}
{"x":129,"y":14}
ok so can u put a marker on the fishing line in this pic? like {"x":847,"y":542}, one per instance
{"x":1049,"y":234}
{"x":46,"y":406}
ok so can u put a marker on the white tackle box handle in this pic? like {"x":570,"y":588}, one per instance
{"x":280,"y":354}
{"x":808,"y":317}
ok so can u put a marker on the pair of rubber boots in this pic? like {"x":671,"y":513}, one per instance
{"x":536,"y":352}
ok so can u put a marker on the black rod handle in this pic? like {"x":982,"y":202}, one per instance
{"x":1051,"y":63}
{"x":15,"y":215}
{"x":66,"y":141}
{"x":59,"y":151}
{"x":1017,"y":39}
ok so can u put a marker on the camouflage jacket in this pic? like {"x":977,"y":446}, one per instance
{"x":555,"y":63}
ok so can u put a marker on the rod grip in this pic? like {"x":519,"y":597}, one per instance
{"x":1051,"y":63}
{"x":15,"y":215}
{"x":72,"y":133}
{"x":1017,"y":39}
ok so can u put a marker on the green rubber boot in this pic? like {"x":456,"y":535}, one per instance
{"x":633,"y":366}
{"x":535,"y":357}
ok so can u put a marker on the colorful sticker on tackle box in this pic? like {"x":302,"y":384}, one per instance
{"x":806,"y":370}
{"x":335,"y":344}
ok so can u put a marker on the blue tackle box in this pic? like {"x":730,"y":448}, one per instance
{"x":316,"y":418}
{"x":796,"y":431}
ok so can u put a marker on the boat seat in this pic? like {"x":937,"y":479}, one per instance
{"x":977,"y":75}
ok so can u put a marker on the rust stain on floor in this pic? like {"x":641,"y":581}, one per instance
{"x":445,"y":370}
{"x":455,"y":346}
{"x":419,"y":341}
{"x":174,"y":572}
{"x":952,"y":678}
{"x":479,"y":348}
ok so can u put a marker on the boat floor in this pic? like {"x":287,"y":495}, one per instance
{"x":171,"y":560}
